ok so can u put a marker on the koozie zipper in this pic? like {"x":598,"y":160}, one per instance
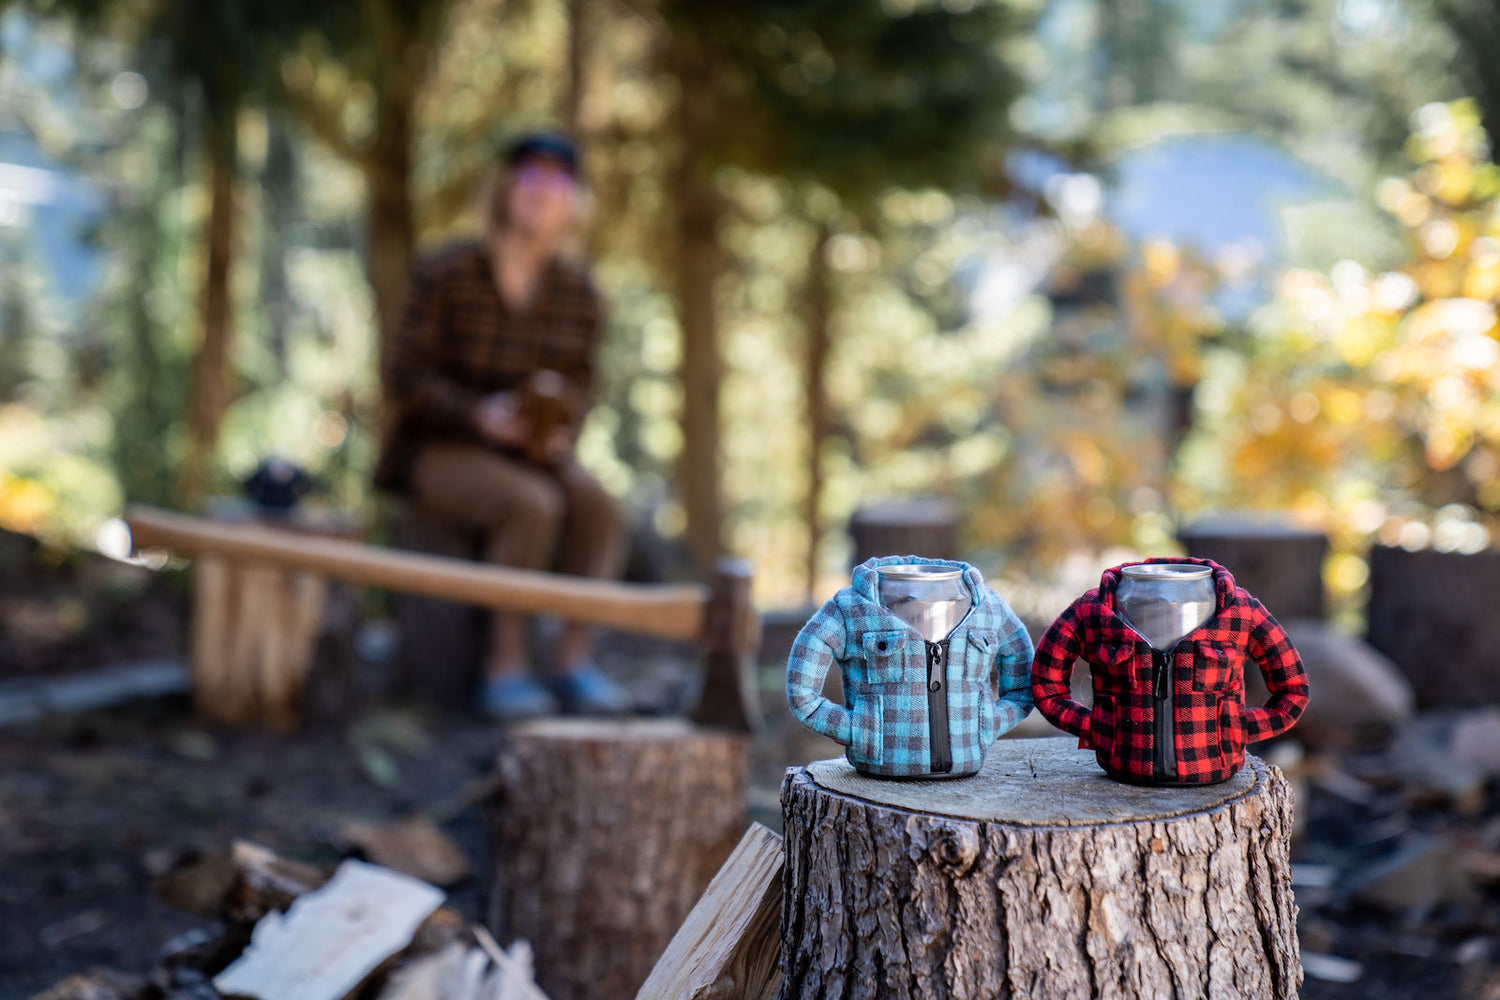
{"x":1164,"y":751}
{"x":937,"y":707}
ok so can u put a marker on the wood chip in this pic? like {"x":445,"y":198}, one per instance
{"x":412,"y":844}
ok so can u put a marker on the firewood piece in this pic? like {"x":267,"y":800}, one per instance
{"x":411,"y":844}
{"x":95,"y":984}
{"x":330,"y":940}
{"x":462,"y":973}
{"x":266,"y":881}
{"x":1037,"y":877}
{"x":729,"y":946}
{"x":601,"y":836}
{"x":239,"y":885}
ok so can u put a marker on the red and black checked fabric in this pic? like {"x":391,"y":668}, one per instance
{"x":459,"y":342}
{"x":1211,"y":723}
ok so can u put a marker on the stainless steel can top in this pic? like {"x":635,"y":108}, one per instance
{"x":1167,"y":572}
{"x":918,"y":572}
{"x":931,"y":599}
{"x":1163,"y":602}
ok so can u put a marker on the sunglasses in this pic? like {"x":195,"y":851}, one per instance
{"x":544,"y":175}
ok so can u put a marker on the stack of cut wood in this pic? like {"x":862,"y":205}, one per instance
{"x":286,"y":931}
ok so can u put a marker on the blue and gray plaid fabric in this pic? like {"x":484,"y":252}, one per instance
{"x":884,"y":723}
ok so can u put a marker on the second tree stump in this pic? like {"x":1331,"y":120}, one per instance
{"x":1037,"y":877}
{"x":602,"y":834}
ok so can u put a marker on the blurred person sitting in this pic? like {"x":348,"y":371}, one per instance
{"x":487,"y":383}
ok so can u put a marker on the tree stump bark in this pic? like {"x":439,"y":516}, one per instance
{"x":1037,"y":877}
{"x":601,"y":835}
{"x":440,"y":644}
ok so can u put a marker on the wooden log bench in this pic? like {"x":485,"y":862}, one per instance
{"x":1037,"y":877}
{"x":720,"y":617}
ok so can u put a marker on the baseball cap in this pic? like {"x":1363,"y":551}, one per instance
{"x":552,"y":145}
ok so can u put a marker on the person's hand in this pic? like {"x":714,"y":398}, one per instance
{"x":499,"y":419}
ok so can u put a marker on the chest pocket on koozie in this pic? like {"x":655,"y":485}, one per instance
{"x":1115,"y":665}
{"x":1214,"y":667}
{"x":885,"y":656}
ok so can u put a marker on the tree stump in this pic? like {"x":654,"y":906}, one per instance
{"x":601,"y":835}
{"x":922,"y":526}
{"x":440,"y":644}
{"x":1280,"y":564}
{"x":1037,"y":877}
{"x":1430,"y":612}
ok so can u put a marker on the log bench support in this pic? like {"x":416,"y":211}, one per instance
{"x":1038,"y":877}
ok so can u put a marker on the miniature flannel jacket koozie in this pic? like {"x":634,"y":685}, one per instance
{"x":1193,"y":695}
{"x":885,"y":725}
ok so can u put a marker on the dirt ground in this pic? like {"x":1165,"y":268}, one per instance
{"x":92,"y":805}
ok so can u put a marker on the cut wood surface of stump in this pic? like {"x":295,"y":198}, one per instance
{"x":602,"y":834}
{"x":1038,"y":877}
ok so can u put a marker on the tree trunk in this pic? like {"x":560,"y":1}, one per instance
{"x":209,"y":394}
{"x":1038,"y":877}
{"x":699,"y":264}
{"x":602,"y":834}
{"x":578,"y":46}
{"x":392,"y":233}
{"x":819,"y":339}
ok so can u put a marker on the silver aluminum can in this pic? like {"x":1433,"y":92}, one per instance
{"x":931,"y":599}
{"x":1165,"y":601}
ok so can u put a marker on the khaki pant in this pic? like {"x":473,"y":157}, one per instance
{"x":531,"y":518}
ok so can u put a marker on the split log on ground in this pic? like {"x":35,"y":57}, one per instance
{"x":729,"y":947}
{"x":601,"y":836}
{"x":1037,"y":877}
{"x":461,"y":972}
{"x":331,"y":939}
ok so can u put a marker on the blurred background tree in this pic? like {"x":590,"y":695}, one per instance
{"x":1058,"y":261}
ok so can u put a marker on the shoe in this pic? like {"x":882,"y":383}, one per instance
{"x":586,"y":691}
{"x":515,"y":697}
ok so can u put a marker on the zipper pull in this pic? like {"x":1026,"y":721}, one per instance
{"x":1163,"y":672}
{"x":934,"y":667}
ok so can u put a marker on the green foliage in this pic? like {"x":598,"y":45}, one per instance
{"x":862,"y":96}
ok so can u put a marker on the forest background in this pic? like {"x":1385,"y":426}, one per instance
{"x":1089,"y":268}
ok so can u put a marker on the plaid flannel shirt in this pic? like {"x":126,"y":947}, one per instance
{"x":458,"y":342}
{"x":884,"y":725}
{"x":1210,"y":722}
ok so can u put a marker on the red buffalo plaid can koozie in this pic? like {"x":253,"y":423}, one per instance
{"x":1169,"y":688}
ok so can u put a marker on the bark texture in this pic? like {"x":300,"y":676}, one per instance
{"x":602,"y":835}
{"x":1035,"y":879}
